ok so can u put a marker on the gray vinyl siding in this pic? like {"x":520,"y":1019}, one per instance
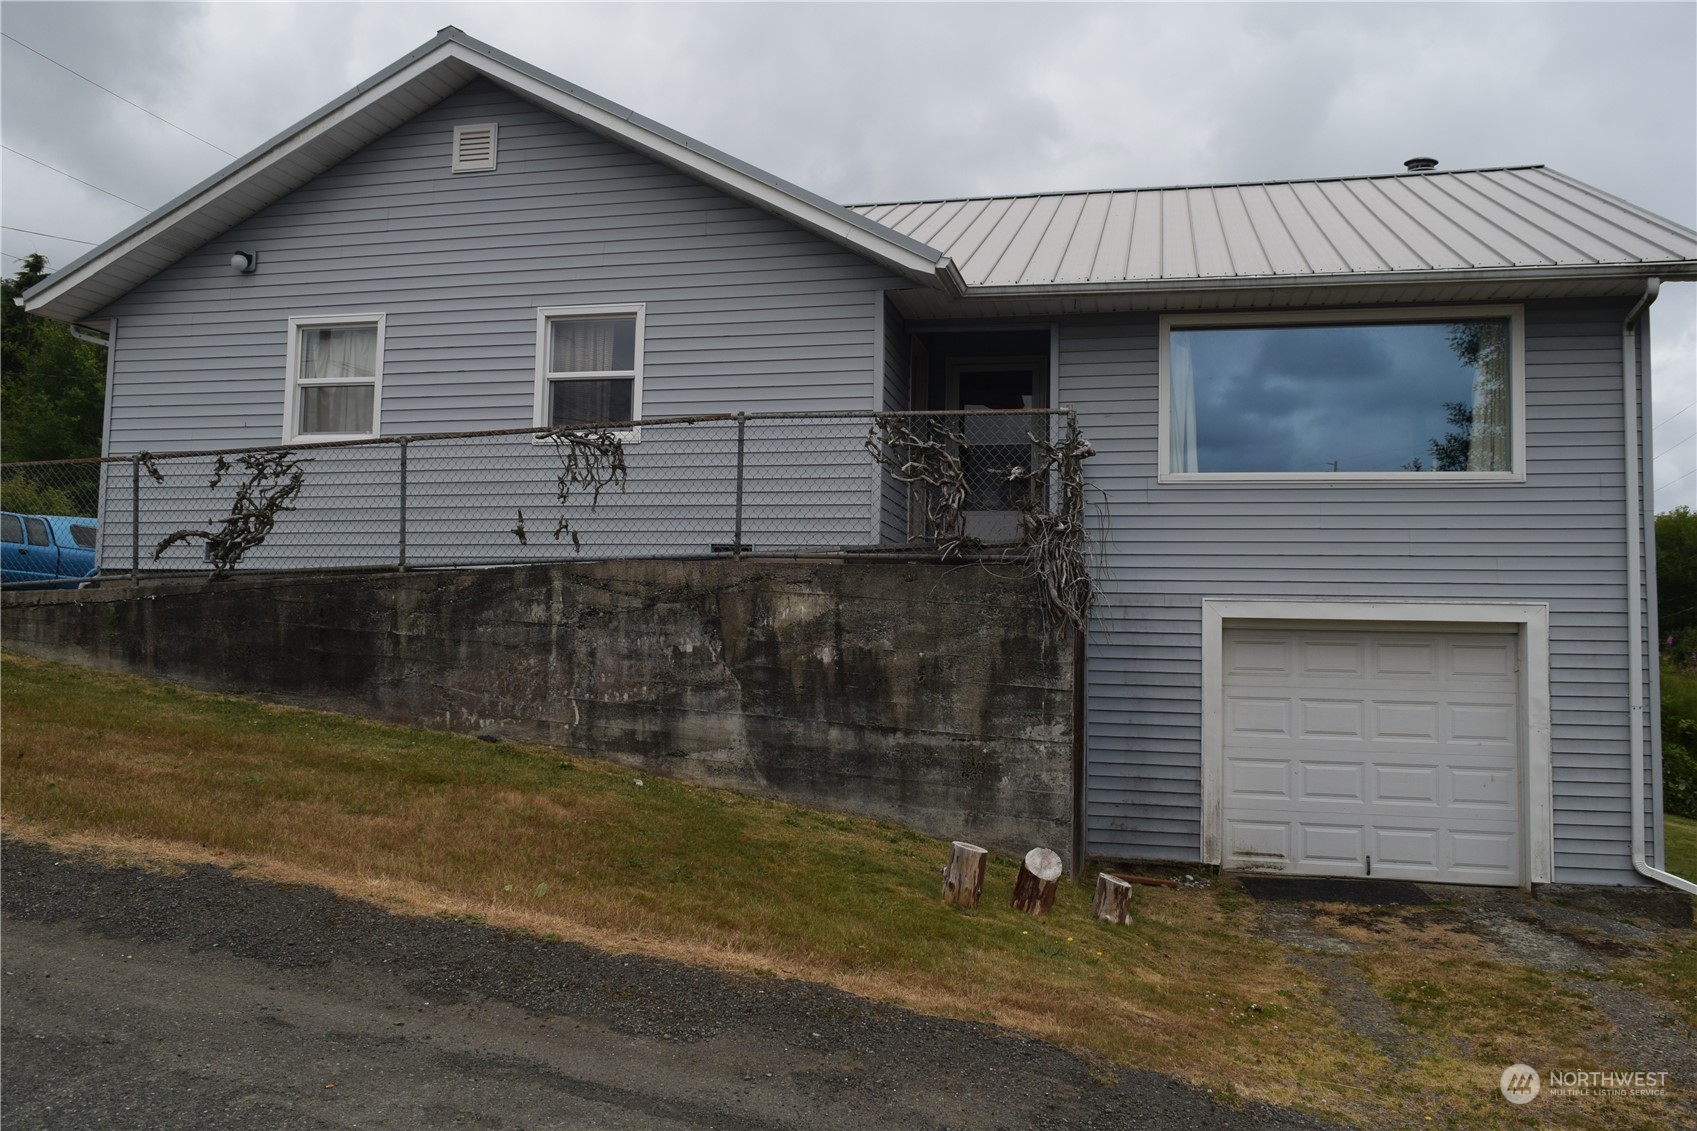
{"x":897,"y":396}
{"x":1556,"y":538}
{"x":743,"y":312}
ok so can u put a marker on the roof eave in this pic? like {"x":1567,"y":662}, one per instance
{"x":1668,"y":271}
{"x":70,"y":294}
{"x":902,"y":254}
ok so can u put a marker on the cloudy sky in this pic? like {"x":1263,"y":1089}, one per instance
{"x":872,"y":102}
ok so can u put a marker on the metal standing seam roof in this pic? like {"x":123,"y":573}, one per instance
{"x":1529,"y":221}
{"x":1526,"y":217}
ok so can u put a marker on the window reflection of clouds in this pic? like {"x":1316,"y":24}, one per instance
{"x":1296,"y":398}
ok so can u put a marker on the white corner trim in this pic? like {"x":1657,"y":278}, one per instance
{"x":1530,"y":620}
{"x":1514,"y":312}
{"x":106,"y":470}
{"x":879,"y":344}
{"x":291,"y":376}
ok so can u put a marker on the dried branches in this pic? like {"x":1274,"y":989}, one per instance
{"x":589,"y":461}
{"x":1055,"y":538}
{"x":925,"y":452}
{"x":933,"y":455}
{"x":274,"y":480}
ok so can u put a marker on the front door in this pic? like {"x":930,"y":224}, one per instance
{"x":994,"y":444}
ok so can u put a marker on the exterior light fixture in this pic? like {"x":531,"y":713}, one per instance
{"x":247,"y":262}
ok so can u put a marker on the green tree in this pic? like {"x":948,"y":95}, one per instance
{"x":1676,"y":577}
{"x":1676,"y":615}
{"x":52,"y":386}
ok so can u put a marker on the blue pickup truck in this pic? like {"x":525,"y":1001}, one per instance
{"x":39,"y":549}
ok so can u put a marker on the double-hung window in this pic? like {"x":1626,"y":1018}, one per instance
{"x":335,"y":377}
{"x":1412,"y":394}
{"x":589,"y":365}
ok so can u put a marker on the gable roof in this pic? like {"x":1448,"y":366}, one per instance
{"x":1487,"y":226}
{"x":407,"y":87}
{"x":1354,"y":229}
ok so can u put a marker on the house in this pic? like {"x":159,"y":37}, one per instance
{"x":1372,"y":503}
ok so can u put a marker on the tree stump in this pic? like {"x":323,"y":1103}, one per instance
{"x":963,"y":879}
{"x":1039,"y":876}
{"x":1113,"y":900}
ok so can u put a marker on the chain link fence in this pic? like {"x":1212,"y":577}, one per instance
{"x":750,"y":483}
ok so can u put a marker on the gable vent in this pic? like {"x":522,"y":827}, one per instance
{"x":474,"y":148}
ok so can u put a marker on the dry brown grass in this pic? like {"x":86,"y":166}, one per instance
{"x":567,"y":847}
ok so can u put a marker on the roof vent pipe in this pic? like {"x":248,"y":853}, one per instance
{"x":1420,"y":164}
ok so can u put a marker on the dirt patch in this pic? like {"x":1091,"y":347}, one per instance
{"x":1473,"y":978}
{"x":1647,"y":1033}
{"x":1364,"y":1012}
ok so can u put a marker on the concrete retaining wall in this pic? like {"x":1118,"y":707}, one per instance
{"x":929,"y":695}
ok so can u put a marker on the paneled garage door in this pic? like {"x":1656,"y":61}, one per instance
{"x":1380,"y":753}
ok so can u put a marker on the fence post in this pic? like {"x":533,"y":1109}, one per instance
{"x":135,"y":519}
{"x":402,"y":565}
{"x":736,"y":535}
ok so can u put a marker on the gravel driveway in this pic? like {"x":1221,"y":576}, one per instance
{"x":141,"y":1000}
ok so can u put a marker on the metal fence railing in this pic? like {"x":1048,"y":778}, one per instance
{"x":764,"y":483}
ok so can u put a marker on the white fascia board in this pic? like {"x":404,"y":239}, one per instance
{"x":178,"y":220}
{"x":679,"y":153}
{"x":172,"y":219}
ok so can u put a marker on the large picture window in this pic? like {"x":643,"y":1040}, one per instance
{"x":335,"y":377}
{"x":589,"y":366}
{"x":1375,"y":395}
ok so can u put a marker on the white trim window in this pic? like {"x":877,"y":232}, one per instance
{"x":589,"y":365}
{"x":1410,"y":395}
{"x":334,"y":385}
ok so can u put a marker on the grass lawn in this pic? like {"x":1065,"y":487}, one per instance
{"x":534,"y":839}
{"x":1680,"y":845}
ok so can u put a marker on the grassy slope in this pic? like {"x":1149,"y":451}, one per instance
{"x":1681,"y":846}
{"x":532,"y":839}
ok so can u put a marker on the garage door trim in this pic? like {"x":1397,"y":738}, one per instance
{"x":1531,"y":623}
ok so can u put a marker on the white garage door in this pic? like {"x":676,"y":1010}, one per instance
{"x":1382,"y":753}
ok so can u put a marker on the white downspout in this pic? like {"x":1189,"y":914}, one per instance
{"x":1635,"y":591}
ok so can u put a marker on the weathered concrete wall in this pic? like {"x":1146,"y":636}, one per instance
{"x":929,"y":695}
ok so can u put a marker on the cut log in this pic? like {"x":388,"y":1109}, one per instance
{"x":963,"y":879}
{"x":1113,"y":899}
{"x":1039,"y":876}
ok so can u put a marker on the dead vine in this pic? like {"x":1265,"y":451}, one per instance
{"x":927,"y":452}
{"x":589,"y":460}
{"x":274,"y":480}
{"x":1054,"y":539}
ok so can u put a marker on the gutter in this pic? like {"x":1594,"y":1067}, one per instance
{"x":1675,"y":269}
{"x":1631,"y":421}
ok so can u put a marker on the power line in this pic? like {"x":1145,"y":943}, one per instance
{"x":1664,"y":486}
{"x":47,"y":235}
{"x":1671,"y":448}
{"x":76,"y":178}
{"x":1669,"y":420}
{"x":116,"y":95}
